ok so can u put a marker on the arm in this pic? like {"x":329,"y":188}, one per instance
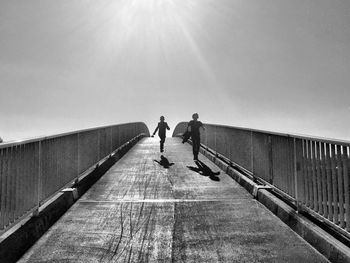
{"x":167,"y":127}
{"x":155,"y":130}
{"x":189,"y":126}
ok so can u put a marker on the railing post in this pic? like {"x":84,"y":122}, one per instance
{"x":296,"y":184}
{"x":270,"y":159}
{"x":78,"y":157}
{"x":252,"y":155}
{"x":340,"y":185}
{"x":39,"y":181}
{"x":346,"y":183}
{"x":216,"y":150}
{"x":98,"y":145}
{"x":111,"y":142}
{"x":206,"y":138}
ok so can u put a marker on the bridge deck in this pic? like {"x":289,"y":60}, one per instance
{"x":140,"y":211}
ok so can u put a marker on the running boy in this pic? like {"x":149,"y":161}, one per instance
{"x":162,"y":127}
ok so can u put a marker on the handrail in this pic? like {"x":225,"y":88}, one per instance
{"x":311,"y":171}
{"x":178,"y":130}
{"x":46,"y":137}
{"x":33,"y":170}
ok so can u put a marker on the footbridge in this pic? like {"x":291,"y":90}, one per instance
{"x":108,"y":195}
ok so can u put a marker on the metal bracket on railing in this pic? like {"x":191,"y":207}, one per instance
{"x":73,"y":191}
{"x":258,"y":187}
{"x":299,"y":206}
{"x":36,"y":211}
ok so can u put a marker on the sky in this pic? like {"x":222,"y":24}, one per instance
{"x":277,"y":65}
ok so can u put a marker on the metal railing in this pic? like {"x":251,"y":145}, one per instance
{"x":32,"y":171}
{"x":312,"y":172}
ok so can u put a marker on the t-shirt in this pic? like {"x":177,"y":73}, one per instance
{"x":162,"y":126}
{"x":195,"y":125}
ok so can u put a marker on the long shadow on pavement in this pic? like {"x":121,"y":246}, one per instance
{"x":164,"y":162}
{"x":204,"y":170}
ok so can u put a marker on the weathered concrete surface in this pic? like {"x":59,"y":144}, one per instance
{"x":142,"y":212}
{"x":329,"y":246}
{"x":21,"y":236}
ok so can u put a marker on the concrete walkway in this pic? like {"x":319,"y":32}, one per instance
{"x":140,"y":211}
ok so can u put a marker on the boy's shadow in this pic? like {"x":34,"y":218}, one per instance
{"x":164,"y":162}
{"x":204,"y":170}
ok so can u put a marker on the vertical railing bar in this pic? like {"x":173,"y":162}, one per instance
{"x":12,"y":177}
{"x":11,"y":185}
{"x":17,"y":182}
{"x":324,"y":181}
{"x":296,"y":190}
{"x":76,"y":157}
{"x":9,"y":182}
{"x":48,"y":159}
{"x":58,"y":162}
{"x":21,"y":195}
{"x":319,"y":176}
{"x":4,"y":190}
{"x":303,"y":171}
{"x":16,"y":172}
{"x":346,"y":187}
{"x":53,"y":170}
{"x":286,"y":177}
{"x":311,"y":200}
{"x":119,"y":136}
{"x":291,"y":168}
{"x":21,"y":183}
{"x":288,"y":168}
{"x":98,"y":145}
{"x":305,"y":174}
{"x":334,"y":184}
{"x":2,"y":180}
{"x":270,"y":164}
{"x":28,"y":188}
{"x":79,"y":157}
{"x":228,"y":143}
{"x":206,"y":137}
{"x":340,"y":186}
{"x":329,"y":182}
{"x":252,"y":153}
{"x":7,"y":187}
{"x":39,"y":174}
{"x":111,"y":148}
{"x":216,"y":150}
{"x":314,"y":175}
{"x":33,"y":167}
{"x":134,"y":126}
